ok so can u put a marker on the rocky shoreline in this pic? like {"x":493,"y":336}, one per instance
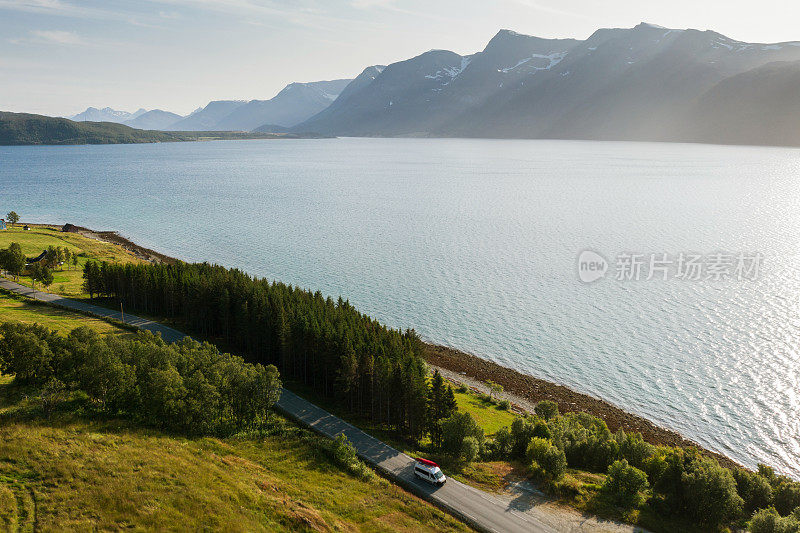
{"x":522,"y":390}
{"x":114,"y":237}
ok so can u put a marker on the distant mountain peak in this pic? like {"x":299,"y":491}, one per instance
{"x":650,"y":25}
{"x":639,"y":83}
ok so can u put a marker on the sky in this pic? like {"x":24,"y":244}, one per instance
{"x":58,"y":57}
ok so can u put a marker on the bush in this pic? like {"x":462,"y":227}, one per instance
{"x":522,"y":431}
{"x":694,"y":485}
{"x":787,"y":496}
{"x":455,"y":429}
{"x":623,"y":484}
{"x":633,"y":448}
{"x":344,"y":455}
{"x":463,"y":389}
{"x":546,"y":409}
{"x":546,"y":460}
{"x":485,"y":398}
{"x":502,"y":444}
{"x":769,"y":521}
{"x":504,"y":405}
{"x":470,"y":448}
{"x":753,"y":488}
{"x":767,"y":472}
{"x":586,"y":441}
{"x":52,"y":394}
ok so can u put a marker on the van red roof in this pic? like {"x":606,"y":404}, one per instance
{"x":426,"y":462}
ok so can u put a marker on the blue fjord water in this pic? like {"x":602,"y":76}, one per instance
{"x":474,"y":244}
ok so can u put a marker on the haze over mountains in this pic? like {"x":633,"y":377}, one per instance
{"x":641,"y":83}
{"x":294,"y":104}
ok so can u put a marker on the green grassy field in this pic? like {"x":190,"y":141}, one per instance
{"x":20,"y":309}
{"x":69,"y":473}
{"x":488,"y":416}
{"x":89,"y":476}
{"x":69,"y":280}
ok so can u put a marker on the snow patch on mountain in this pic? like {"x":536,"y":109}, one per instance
{"x":450,"y":72}
{"x":555,"y":58}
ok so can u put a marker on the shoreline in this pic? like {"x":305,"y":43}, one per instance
{"x":522,"y":390}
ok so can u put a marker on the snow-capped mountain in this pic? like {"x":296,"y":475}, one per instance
{"x":642,"y":83}
{"x":107,"y":114}
{"x":294,"y":104}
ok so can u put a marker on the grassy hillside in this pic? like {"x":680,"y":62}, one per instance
{"x":24,"y":129}
{"x":67,"y":281}
{"x":74,"y":471}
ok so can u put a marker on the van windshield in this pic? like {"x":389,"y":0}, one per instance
{"x":438,"y":474}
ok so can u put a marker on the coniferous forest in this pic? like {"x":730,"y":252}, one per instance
{"x":328,"y":345}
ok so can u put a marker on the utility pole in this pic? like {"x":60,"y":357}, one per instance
{"x":121,"y":311}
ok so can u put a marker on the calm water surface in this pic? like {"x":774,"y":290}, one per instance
{"x":474,"y":244}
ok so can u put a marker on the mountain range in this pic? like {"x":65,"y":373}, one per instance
{"x":294,"y":104}
{"x":642,"y":83}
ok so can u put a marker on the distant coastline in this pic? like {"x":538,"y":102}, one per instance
{"x":525,"y":389}
{"x":24,"y":129}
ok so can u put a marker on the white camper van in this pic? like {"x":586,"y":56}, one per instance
{"x":429,"y":471}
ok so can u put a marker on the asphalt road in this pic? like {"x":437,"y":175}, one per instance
{"x":477,"y":508}
{"x":168,"y":334}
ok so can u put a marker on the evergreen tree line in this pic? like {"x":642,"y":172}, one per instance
{"x":185,"y":386}
{"x":342,"y":354}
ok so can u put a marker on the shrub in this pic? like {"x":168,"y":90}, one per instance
{"x":52,"y":394}
{"x":344,"y":455}
{"x":769,"y":521}
{"x":546,"y":459}
{"x":633,"y":448}
{"x":711,"y":493}
{"x":787,"y":497}
{"x":753,"y":488}
{"x":463,"y":389}
{"x":767,"y":472}
{"x":536,"y":449}
{"x":586,"y":441}
{"x":541,"y":429}
{"x":455,"y":429}
{"x":546,"y":409}
{"x":502,"y":443}
{"x":522,"y":431}
{"x":695,"y":485}
{"x":470,"y":448}
{"x":504,"y":405}
{"x":623,"y":484}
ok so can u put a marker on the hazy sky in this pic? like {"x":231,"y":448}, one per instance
{"x":58,"y":57}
